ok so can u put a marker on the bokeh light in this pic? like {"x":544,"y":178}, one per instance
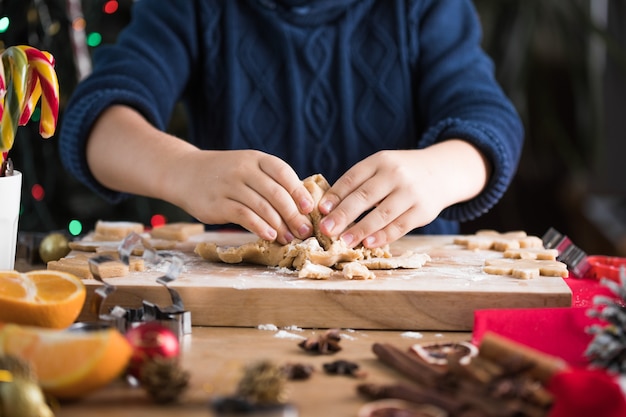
{"x":158,"y":220}
{"x":75,"y":227}
{"x":4,"y":24}
{"x":110,"y":7}
{"x":38,"y":192}
{"x":94,"y":39}
{"x":79,"y":24}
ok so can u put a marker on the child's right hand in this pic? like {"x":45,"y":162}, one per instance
{"x":258,"y":191}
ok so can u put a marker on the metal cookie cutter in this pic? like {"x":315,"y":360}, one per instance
{"x":579,"y":263}
{"x":175,"y":317}
{"x":118,"y":315}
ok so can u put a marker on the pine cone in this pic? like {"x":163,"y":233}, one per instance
{"x":608,"y":347}
{"x":163,"y":379}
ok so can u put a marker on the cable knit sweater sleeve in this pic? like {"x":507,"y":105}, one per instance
{"x":458,"y":96}
{"x":235,"y":65}
{"x":148,"y":76}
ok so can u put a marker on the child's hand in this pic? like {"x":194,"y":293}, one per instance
{"x":403,"y":189}
{"x":258,"y":191}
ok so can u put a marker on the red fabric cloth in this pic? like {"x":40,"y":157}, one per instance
{"x":586,"y":393}
{"x":561,"y":332}
{"x":583,"y":291}
{"x":556,"y":331}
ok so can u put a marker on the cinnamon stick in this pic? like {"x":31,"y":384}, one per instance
{"x":502,"y":350}
{"x":460,"y":391}
{"x":412,"y":367}
{"x":411,"y":393}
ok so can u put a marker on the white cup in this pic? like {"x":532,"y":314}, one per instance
{"x":10,"y":194}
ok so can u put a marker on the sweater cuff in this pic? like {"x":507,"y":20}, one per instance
{"x":491,"y":146}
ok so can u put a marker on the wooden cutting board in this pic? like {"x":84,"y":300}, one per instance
{"x":442,"y":295}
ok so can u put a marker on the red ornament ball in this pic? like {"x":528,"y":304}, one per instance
{"x":150,"y":340}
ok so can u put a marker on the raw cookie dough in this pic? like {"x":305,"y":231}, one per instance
{"x":79,"y":266}
{"x":99,"y":246}
{"x":525,"y":268}
{"x":408,"y":260}
{"x":493,"y":240}
{"x":317,"y":256}
{"x":312,"y":271}
{"x":293,"y":255}
{"x":317,"y":186}
{"x":532,"y":253}
{"x":356,"y":270}
{"x":113,"y":230}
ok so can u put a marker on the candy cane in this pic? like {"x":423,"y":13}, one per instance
{"x":3,"y":90}
{"x":15,"y":65}
{"x":42,"y":65}
{"x":33,"y":93}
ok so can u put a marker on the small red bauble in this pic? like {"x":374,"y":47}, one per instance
{"x":149,"y":340}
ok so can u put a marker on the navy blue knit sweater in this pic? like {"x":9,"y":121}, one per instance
{"x":321,"y":84}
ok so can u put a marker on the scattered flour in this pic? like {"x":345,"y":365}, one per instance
{"x":274,"y":328}
{"x":284,"y":270}
{"x":271,"y":327}
{"x":282,"y":334}
{"x":293,"y":328}
{"x":412,"y":335}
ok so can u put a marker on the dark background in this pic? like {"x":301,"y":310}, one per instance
{"x":563,"y":63}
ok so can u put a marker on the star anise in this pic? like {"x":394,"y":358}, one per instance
{"x":326,"y":343}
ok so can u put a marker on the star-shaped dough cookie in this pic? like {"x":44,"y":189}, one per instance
{"x":525,"y":268}
{"x":490,"y":239}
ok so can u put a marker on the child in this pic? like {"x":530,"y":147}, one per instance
{"x":393,"y":101}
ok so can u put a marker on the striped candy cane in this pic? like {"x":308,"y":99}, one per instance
{"x":26,"y":75}
{"x":15,"y":65}
{"x":47,"y":86}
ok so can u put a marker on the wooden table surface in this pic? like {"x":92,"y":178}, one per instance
{"x":216,"y":353}
{"x":215,"y":357}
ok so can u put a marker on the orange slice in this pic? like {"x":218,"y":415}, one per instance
{"x":68,"y":364}
{"x":40,"y":298}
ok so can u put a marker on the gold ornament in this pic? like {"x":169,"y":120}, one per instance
{"x":20,"y":396}
{"x":53,"y":247}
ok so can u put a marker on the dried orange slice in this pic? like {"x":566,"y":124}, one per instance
{"x":68,"y":364}
{"x":40,"y":298}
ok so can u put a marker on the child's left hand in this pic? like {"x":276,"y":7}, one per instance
{"x":404,"y":190}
